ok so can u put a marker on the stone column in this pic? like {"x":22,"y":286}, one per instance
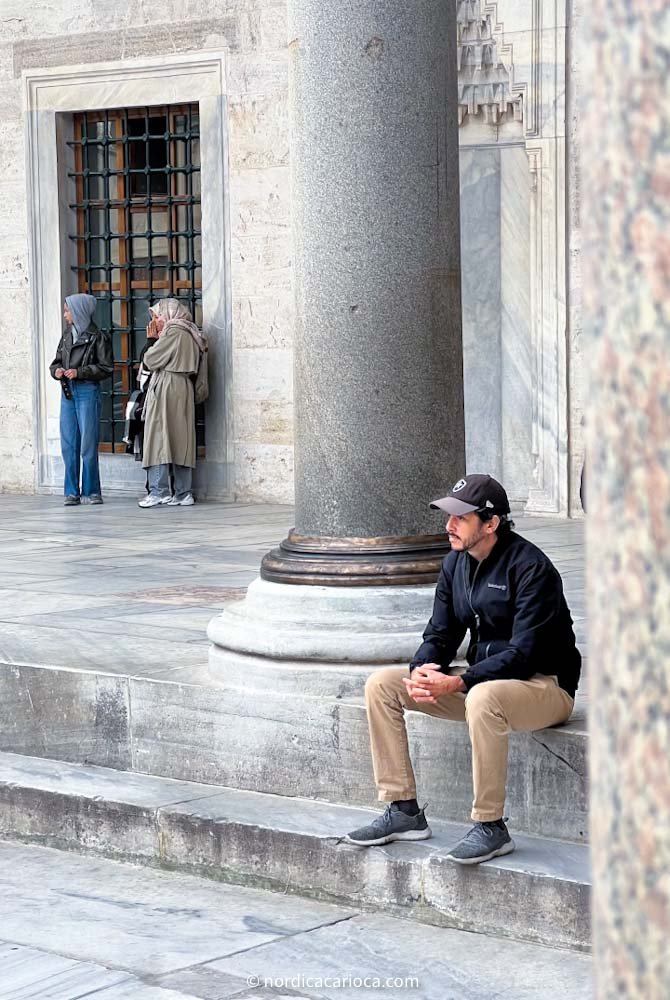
{"x":378,"y":356}
{"x":625,"y":135}
{"x":378,"y":365}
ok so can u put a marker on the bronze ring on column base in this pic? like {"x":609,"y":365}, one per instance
{"x":409,"y":560}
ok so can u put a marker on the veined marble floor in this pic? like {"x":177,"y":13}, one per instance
{"x":125,"y":590}
{"x":74,"y":927}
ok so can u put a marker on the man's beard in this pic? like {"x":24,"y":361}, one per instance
{"x":471,"y":542}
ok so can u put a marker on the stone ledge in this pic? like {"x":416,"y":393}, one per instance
{"x":316,"y":746}
{"x":540,"y":893}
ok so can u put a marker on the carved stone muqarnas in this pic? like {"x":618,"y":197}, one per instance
{"x":485,"y":82}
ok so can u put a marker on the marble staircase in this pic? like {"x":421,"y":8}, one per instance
{"x":294,"y":742}
{"x":540,"y":893}
{"x":188,"y":776}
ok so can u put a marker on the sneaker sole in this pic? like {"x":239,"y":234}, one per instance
{"x":407,"y":835}
{"x":505,"y":849}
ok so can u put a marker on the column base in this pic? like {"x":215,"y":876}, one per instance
{"x":310,"y":627}
{"x":406,"y":561}
{"x":292,"y":662}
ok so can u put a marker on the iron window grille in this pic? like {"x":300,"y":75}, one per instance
{"x":138,"y":233}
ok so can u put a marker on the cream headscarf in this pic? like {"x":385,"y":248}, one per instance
{"x":175,"y":313}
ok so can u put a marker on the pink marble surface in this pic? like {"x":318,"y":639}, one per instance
{"x":625,"y":134}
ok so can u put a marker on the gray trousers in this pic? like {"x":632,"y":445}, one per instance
{"x":159,"y":480}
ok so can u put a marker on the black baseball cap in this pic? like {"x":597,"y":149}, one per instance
{"x":474,"y":493}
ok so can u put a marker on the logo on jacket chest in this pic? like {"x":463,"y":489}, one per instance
{"x":497,"y":586}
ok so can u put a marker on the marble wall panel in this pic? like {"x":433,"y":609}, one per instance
{"x":534,"y":397}
{"x":549,"y":486}
{"x":539,"y":62}
{"x":258,"y":132}
{"x":264,"y":374}
{"x":519,"y":15}
{"x":480,"y":283}
{"x":263,"y":320}
{"x":270,"y":422}
{"x":269,"y":26}
{"x":13,"y":234}
{"x":574,"y":259}
{"x":260,"y":202}
{"x":264,"y":472}
{"x":6,"y":61}
{"x":264,"y":422}
{"x":41,"y":16}
{"x":253,"y":75}
{"x":515,"y":323}
{"x":16,"y":419}
{"x":261,"y":262}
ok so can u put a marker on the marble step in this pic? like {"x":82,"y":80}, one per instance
{"x":540,"y":893}
{"x":283,"y":737}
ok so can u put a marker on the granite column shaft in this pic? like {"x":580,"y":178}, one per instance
{"x":625,"y":138}
{"x":378,"y":356}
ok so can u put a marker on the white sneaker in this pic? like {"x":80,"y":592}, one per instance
{"x":152,"y":501}
{"x":188,"y":501}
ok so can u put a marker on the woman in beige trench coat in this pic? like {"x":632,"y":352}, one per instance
{"x":178,"y":362}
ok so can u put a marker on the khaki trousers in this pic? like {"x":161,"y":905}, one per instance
{"x":491,"y":709}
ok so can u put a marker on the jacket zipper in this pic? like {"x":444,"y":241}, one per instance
{"x":468,"y":594}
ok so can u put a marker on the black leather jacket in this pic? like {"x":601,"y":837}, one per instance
{"x":91,"y":355}
{"x":512,"y":602}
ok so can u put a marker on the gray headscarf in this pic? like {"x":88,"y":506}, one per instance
{"x":175,"y":313}
{"x":82,"y":308}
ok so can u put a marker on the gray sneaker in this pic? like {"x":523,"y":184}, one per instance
{"x":71,"y":501}
{"x":393,"y":824}
{"x":483,"y":842}
{"x":95,"y":498}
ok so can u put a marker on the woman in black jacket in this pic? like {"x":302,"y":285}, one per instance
{"x":83,"y":360}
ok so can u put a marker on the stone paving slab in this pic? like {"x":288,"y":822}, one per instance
{"x":29,"y":973}
{"x":539,"y":893}
{"x":116,"y":916}
{"x":75,"y":927}
{"x":443,"y":964}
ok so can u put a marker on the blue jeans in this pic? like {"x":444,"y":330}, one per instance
{"x":159,"y":480}
{"x":79,"y":433}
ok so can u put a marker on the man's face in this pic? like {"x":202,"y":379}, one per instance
{"x":466,"y":531}
{"x":67,"y":315}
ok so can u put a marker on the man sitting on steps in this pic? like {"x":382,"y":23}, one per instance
{"x":523,"y":669}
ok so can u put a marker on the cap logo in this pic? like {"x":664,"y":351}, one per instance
{"x":459,"y":486}
{"x":488,"y":504}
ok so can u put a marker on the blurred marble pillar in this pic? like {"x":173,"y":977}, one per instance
{"x":378,"y":353}
{"x":625,"y":136}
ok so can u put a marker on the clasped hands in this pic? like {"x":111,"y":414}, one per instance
{"x":426,"y":683}
{"x":154,"y":328}
{"x":66,"y":373}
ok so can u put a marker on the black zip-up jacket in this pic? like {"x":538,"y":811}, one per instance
{"x":91,"y":355}
{"x":512,"y":602}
